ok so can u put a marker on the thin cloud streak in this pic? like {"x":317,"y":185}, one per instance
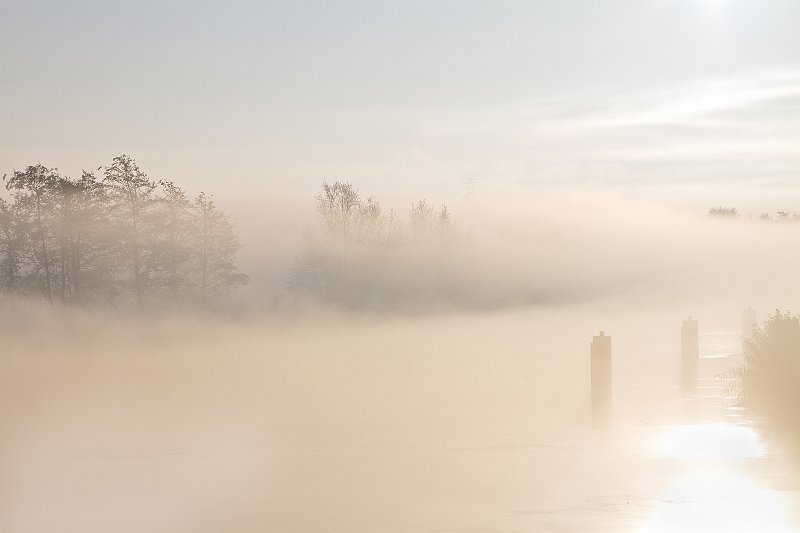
{"x":739,"y":129}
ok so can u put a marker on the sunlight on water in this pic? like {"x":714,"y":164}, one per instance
{"x":715,"y":494}
{"x":712,"y":441}
{"x":719,"y":500}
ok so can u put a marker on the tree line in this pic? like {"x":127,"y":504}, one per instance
{"x":362,"y":255}
{"x":732,"y":212}
{"x":113,"y":236}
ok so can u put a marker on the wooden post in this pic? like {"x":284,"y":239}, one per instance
{"x":601,"y":380}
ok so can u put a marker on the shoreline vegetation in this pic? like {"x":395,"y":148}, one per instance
{"x":724,"y":212}
{"x":766,"y":381}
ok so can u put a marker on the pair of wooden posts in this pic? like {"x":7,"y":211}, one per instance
{"x":601,"y":370}
{"x":690,"y":358}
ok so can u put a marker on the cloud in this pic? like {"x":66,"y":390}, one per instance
{"x":741,"y":130}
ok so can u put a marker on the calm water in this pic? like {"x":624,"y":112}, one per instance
{"x":389,"y":445}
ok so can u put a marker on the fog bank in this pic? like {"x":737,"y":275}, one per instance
{"x":557,"y":247}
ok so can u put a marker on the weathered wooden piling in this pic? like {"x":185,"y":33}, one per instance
{"x":690,"y":354}
{"x":601,"y":380}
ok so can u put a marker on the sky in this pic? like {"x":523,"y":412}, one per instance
{"x":692,"y":101}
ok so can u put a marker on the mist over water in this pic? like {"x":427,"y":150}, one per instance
{"x":554,"y":247}
{"x":403,"y":267}
{"x":428,"y":417}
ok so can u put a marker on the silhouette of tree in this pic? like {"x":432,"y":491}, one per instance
{"x":723,"y":212}
{"x":377,"y":228}
{"x":429,"y":226}
{"x":173,"y":251}
{"x":214,"y":246}
{"x":360,"y":256}
{"x":421,"y":220}
{"x":15,"y":229}
{"x":65,"y":196}
{"x":354,"y":233}
{"x":91,"y":240}
{"x":131,"y":192}
{"x":338,"y":205}
{"x":91,"y":248}
{"x":34,"y":187}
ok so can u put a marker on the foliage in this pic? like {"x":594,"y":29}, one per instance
{"x":119,"y":239}
{"x":214,"y":248}
{"x":766,"y":382}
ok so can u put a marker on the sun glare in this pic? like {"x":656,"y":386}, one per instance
{"x":712,"y":441}
{"x":719,"y":500}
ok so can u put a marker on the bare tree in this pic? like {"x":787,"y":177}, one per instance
{"x":429,"y":227}
{"x":377,"y":228}
{"x":338,"y":205}
{"x":421,"y":220}
{"x":352,"y":235}
{"x":359,"y":256}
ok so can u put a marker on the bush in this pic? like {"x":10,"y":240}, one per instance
{"x":766,"y":382}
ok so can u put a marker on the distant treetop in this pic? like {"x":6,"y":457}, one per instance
{"x":723,"y":212}
{"x":764,"y":216}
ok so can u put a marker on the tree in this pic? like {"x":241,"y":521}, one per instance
{"x":34,"y":187}
{"x":723,"y":212}
{"x":90,"y":243}
{"x":360,"y":257}
{"x":421,"y":220}
{"x":131,"y":192}
{"x":352,"y":236}
{"x":65,"y":195}
{"x":338,"y":205}
{"x":214,"y":247}
{"x":174,"y":212}
{"x":377,"y":228}
{"x":14,"y":242}
{"x":91,"y":239}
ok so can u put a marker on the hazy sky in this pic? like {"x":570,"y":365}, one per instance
{"x":695,"y":99}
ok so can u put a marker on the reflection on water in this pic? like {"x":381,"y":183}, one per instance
{"x":714,"y":486}
{"x":714,"y":491}
{"x":379,"y":445}
{"x":716,"y":500}
{"x":711,"y":441}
